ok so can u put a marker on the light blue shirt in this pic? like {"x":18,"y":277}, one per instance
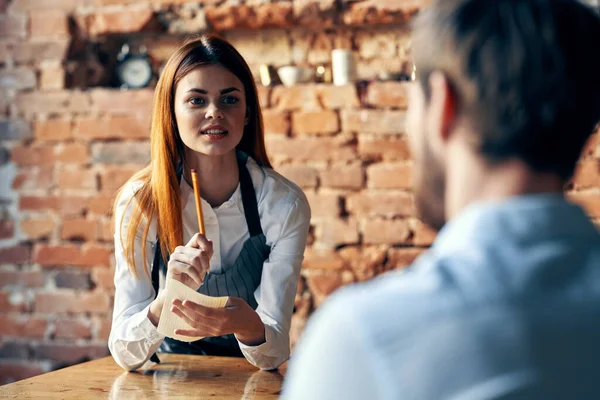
{"x":506,"y":304}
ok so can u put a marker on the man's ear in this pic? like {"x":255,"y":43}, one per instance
{"x":443,"y":103}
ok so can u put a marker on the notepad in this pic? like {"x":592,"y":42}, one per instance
{"x":169,"y":321}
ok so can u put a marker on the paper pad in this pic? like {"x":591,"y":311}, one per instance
{"x":169,"y":321}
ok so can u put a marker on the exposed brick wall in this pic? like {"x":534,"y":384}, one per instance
{"x":65,"y":150}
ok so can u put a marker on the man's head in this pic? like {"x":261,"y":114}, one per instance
{"x":512,"y":79}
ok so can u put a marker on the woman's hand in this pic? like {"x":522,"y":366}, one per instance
{"x":189,"y":264}
{"x":237,"y":318}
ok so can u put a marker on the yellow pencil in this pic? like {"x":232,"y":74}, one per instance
{"x":196,"y":185}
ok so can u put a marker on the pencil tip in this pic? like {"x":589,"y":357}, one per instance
{"x":193,"y":171}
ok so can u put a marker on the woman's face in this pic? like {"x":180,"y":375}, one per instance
{"x":210,"y":110}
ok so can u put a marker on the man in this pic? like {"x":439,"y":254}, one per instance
{"x":506,"y":303}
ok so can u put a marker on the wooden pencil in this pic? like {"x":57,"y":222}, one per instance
{"x":196,"y":185}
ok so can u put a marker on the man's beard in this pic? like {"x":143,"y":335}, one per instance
{"x":430,"y":190}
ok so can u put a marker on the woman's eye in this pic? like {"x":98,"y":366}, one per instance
{"x":230,"y":100}
{"x":197,"y":101}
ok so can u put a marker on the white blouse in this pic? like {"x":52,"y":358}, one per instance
{"x":285,"y":219}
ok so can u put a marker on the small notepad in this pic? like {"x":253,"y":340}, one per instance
{"x":169,"y":321}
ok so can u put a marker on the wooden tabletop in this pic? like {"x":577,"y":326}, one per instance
{"x":176,"y":377}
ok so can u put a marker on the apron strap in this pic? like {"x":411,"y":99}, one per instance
{"x":249,"y":197}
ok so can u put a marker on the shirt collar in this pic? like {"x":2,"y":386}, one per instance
{"x":520,"y":218}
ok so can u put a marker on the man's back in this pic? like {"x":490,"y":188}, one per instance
{"x":505,"y":305}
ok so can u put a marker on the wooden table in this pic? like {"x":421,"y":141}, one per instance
{"x":176,"y":377}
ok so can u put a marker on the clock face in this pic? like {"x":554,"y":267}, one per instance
{"x":135,"y":72}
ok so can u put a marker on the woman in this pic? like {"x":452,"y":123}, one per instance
{"x":207,"y":117}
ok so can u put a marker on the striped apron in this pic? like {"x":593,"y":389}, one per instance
{"x":237,"y":280}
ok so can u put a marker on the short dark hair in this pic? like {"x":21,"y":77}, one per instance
{"x":526,"y":74}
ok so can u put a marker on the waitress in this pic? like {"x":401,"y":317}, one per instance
{"x":207,"y":117}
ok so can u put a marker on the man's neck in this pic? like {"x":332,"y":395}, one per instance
{"x":476,"y":180}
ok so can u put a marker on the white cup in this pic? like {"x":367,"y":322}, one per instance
{"x":343,"y":66}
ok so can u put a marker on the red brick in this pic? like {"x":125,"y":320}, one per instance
{"x":423,"y":235}
{"x":52,"y":77}
{"x":310,"y":148}
{"x":96,"y":302}
{"x":315,"y":122}
{"x":73,"y":280}
{"x":122,"y":102}
{"x":33,"y":103}
{"x":324,"y":204}
{"x":113,"y":127}
{"x":69,"y":354}
{"x":77,"y":179}
{"x":12,"y":370}
{"x":13,"y":26}
{"x":67,"y":301}
{"x":380,"y":12}
{"x":384,"y":203}
{"x":128,"y":20}
{"x":323,"y":283}
{"x":101,"y":204}
{"x":587,"y":174}
{"x":401,"y":257}
{"x":30,"y":279}
{"x":20,"y":254}
{"x":295,"y":97}
{"x":377,"y":43}
{"x":22,"y":326}
{"x":38,"y":51}
{"x":79,"y":229}
{"x":338,"y":176}
{"x":33,"y":5}
{"x":276,"y":122}
{"x":33,"y":179}
{"x":12,"y":302}
{"x":260,"y":16}
{"x":17,"y":78}
{"x":72,"y":153}
{"x":385,"y":231}
{"x":589,"y":201}
{"x":38,"y":228}
{"x":386,"y":148}
{"x":317,"y":14}
{"x":389,"y":176}
{"x":387,"y":94}
{"x":121,"y":153}
{"x":112,"y":177}
{"x":103,"y":278}
{"x":302,"y":175}
{"x":53,"y":129}
{"x":57,"y":301}
{"x":13,"y":348}
{"x":335,"y":232}
{"x":322,"y":259}
{"x":366,"y":261}
{"x":64,"y":205}
{"x":48,"y":155}
{"x":385,"y":122}
{"x":335,"y":97}
{"x":102,"y":329}
{"x":72,"y":329}
{"x":48,"y":23}
{"x":64,"y":255}
{"x":106,"y":230}
{"x":7,"y":228}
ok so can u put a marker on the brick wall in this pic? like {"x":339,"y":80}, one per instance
{"x":69,"y":141}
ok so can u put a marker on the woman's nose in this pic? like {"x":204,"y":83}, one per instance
{"x":214,"y":112}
